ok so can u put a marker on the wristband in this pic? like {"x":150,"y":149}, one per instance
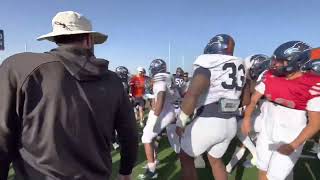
{"x":183,"y":119}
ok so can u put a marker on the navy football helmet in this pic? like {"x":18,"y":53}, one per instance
{"x":259,"y":63}
{"x":220,"y":44}
{"x":291,"y":55}
{"x":179,"y":72}
{"x":157,"y":66}
{"x":313,"y":61}
{"x":122,"y":72}
{"x":315,"y":66}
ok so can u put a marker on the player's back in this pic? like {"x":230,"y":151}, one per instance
{"x":227,"y":77}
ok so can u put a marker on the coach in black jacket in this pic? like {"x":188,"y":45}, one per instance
{"x":58,"y":109}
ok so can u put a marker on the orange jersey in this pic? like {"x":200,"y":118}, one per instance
{"x":137,"y":85}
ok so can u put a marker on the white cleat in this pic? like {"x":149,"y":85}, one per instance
{"x":254,"y":161}
{"x":247,"y":164}
{"x":229,"y":168}
{"x":115,"y":146}
{"x":146,"y":166}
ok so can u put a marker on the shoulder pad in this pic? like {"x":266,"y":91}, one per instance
{"x":213,"y":60}
{"x":161,"y":77}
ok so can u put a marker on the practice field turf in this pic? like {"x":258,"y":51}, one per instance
{"x":169,"y":168}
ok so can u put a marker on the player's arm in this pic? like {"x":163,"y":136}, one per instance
{"x":246,"y":94}
{"x":246,"y":124}
{"x":160,"y":88}
{"x":199,"y":84}
{"x":125,"y":125}
{"x":8,"y":116}
{"x":258,"y":92}
{"x":161,"y":96}
{"x":312,"y":128}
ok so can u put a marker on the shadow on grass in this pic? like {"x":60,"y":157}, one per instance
{"x":169,"y":166}
{"x":307,"y":169}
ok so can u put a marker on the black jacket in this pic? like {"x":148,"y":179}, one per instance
{"x":57,"y":114}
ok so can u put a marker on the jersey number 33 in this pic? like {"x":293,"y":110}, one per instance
{"x":234,"y":72}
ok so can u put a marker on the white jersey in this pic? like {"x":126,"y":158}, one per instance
{"x":227,"y":77}
{"x":162,"y":82}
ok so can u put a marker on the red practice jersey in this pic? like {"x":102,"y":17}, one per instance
{"x":137,"y":85}
{"x":302,"y":93}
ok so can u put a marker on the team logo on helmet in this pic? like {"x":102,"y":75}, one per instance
{"x":217,"y":40}
{"x":296,"y":48}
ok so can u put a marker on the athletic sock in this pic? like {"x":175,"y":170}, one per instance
{"x":152,"y":167}
{"x":251,"y":147}
{"x":235,"y":158}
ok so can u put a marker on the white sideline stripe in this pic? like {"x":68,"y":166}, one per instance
{"x":310,"y":171}
{"x":308,"y":157}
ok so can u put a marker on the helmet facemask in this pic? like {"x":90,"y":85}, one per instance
{"x":278,"y":67}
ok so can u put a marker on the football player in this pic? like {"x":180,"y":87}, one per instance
{"x":137,"y":87}
{"x":123,"y":74}
{"x":160,"y":116}
{"x":186,"y":78}
{"x":314,"y":65}
{"x":214,"y":92}
{"x":254,"y":65}
{"x":179,"y":86}
{"x":292,"y":93}
{"x":179,"y":81}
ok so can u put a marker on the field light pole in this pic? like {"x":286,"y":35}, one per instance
{"x":183,"y":62}
{"x":169,"y":57}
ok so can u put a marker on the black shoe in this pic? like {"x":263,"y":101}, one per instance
{"x":148,"y":175}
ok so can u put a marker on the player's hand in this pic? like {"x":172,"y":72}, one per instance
{"x":286,"y":149}
{"x":179,"y":131}
{"x":124,"y":177}
{"x":246,"y":127}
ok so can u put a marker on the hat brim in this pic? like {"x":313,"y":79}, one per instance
{"x":99,"y":38}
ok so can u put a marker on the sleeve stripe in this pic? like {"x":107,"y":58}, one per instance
{"x":315,"y":88}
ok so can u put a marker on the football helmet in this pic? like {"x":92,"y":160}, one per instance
{"x":220,"y":44}
{"x":179,"y":72}
{"x":289,"y":57}
{"x":157,"y":66}
{"x":122,"y":72}
{"x":313,"y":62}
{"x":256,"y":64}
{"x":141,"y":69}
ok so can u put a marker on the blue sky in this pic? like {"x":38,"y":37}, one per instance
{"x":140,"y":30}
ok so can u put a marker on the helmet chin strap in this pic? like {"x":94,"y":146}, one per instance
{"x":279,"y":71}
{"x":294,"y":75}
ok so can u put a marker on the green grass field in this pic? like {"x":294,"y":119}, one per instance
{"x":169,"y":168}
